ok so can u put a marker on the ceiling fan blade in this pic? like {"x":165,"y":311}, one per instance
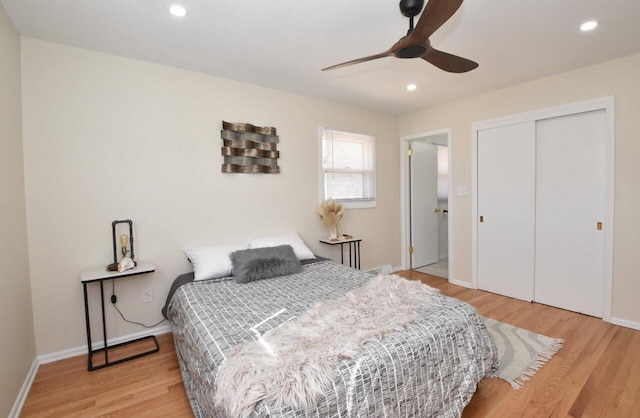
{"x":358,"y":61}
{"x":449,"y":62}
{"x":435,"y":14}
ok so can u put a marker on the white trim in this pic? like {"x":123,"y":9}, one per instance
{"x":358,"y":204}
{"x":602,"y":103}
{"x":461,"y":283}
{"x":474,"y":205}
{"x":63,"y":354}
{"x":68,"y":353}
{"x":24,"y":390}
{"x":366,"y":203}
{"x":82,"y":350}
{"x":607,"y":308}
{"x":551,"y":112}
{"x":320,"y":165}
{"x":404,"y":196}
{"x":625,"y":323}
{"x":385,"y":269}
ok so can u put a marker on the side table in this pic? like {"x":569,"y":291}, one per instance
{"x":354,"y":250}
{"x":99,"y":275}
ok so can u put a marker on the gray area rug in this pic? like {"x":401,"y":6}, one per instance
{"x":521,"y":353}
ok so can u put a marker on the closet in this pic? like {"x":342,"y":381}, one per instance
{"x":543,"y":209}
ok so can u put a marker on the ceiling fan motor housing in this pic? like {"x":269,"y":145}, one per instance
{"x":413,"y":51}
{"x":410,"y":8}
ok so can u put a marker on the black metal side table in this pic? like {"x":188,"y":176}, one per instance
{"x":354,"y":249}
{"x":99,"y":275}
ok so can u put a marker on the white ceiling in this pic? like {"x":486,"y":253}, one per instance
{"x":283,"y":44}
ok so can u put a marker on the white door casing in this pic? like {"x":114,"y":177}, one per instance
{"x":447,"y":138}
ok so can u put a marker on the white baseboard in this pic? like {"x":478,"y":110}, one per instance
{"x":625,"y":323}
{"x":68,"y":353}
{"x":24,"y":390}
{"x":77,"y":351}
{"x":386,"y":269}
{"x":461,"y":283}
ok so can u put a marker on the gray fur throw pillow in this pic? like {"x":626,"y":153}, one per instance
{"x":264,"y":263}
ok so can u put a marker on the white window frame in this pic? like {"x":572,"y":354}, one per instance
{"x":369,"y":172}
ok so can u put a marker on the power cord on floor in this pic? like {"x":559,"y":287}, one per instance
{"x":114,"y":300}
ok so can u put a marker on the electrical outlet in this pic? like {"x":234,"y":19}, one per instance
{"x":147,"y":296}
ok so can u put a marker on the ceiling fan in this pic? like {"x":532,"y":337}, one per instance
{"x":416,"y":43}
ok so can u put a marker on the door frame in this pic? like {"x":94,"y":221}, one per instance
{"x":603,"y":103}
{"x":405,"y":193}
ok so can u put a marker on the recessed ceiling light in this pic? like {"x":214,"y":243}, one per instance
{"x":412,"y":87}
{"x":178,"y":10}
{"x":587,"y":26}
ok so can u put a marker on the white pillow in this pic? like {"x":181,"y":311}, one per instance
{"x":212,"y":262}
{"x":302,"y":251}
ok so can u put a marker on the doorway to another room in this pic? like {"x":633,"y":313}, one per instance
{"x":426,"y":209}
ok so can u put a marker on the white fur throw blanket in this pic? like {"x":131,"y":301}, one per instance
{"x":292,"y":364}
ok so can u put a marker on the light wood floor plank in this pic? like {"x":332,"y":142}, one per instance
{"x":596,"y":373}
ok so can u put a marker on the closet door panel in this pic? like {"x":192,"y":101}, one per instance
{"x":506,"y":204}
{"x":570,"y":201}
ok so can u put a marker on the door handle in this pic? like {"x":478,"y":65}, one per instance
{"x":481,"y":219}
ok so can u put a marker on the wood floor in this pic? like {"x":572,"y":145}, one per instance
{"x":596,"y":374}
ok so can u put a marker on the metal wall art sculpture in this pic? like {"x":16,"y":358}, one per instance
{"x":249,"y":149}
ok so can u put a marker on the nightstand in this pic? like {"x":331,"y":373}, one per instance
{"x":99,"y":275}
{"x":354,"y":250}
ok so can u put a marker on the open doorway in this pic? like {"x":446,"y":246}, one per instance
{"x":426,"y":206}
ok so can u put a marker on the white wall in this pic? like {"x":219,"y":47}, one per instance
{"x":109,"y":138}
{"x":17,"y":346}
{"x":618,"y":78}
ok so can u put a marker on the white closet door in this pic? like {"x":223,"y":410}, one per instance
{"x":570,"y":190}
{"x":424,"y":201}
{"x":506,"y":204}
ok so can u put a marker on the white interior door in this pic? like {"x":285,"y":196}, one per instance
{"x":570,"y":202}
{"x":424,"y":202}
{"x":506,"y":205}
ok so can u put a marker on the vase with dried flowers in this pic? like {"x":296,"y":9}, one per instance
{"x":331,"y":212}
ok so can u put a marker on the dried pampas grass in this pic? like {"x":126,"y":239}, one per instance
{"x":331,"y":212}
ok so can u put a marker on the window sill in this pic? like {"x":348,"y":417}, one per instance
{"x":367,"y":204}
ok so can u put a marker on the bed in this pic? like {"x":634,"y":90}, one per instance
{"x":429,"y":368}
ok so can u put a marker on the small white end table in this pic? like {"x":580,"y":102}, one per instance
{"x":354,"y":249}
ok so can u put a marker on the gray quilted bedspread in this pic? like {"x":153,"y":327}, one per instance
{"x":430,"y":369}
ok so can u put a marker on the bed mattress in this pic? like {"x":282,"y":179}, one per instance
{"x":429,"y":369}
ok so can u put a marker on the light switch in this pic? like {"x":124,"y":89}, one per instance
{"x":462,"y":190}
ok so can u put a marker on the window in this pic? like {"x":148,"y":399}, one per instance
{"x":348,"y":168}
